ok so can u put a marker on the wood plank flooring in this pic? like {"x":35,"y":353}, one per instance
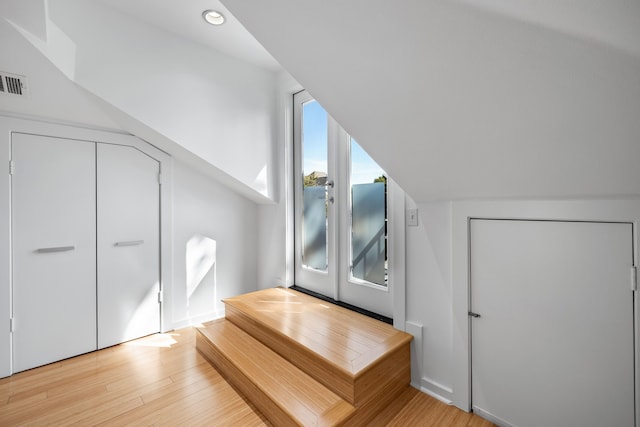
{"x":162,"y":380}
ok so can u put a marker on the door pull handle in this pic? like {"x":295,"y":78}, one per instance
{"x":55,"y":249}
{"x":130,"y":243}
{"x":472,"y":314}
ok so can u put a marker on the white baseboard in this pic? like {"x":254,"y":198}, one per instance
{"x":195,"y":320}
{"x":415,"y":329}
{"x":437,"y":391}
{"x":490,"y":417}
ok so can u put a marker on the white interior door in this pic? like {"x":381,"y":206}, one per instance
{"x":128,"y":244}
{"x":554,"y":345}
{"x":53,"y":220}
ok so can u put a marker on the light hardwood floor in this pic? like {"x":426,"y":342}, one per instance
{"x":162,"y":380}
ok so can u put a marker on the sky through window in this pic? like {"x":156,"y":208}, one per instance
{"x":363,"y":168}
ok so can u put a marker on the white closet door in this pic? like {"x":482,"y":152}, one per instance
{"x":554,"y":345}
{"x":54,"y":249}
{"x":128,"y":244}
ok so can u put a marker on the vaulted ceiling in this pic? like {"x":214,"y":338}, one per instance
{"x":455,"y":99}
{"x":472,"y":99}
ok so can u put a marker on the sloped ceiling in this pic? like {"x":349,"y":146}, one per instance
{"x":184,"y":20}
{"x":472,"y":99}
{"x":165,"y":76}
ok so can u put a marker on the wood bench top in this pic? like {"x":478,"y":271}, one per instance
{"x":349,"y":340}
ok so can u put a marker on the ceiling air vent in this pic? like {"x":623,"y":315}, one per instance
{"x":13,"y":84}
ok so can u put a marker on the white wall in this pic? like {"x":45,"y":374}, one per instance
{"x":204,"y":208}
{"x":276,"y":220}
{"x":51,"y":94}
{"x":429,"y":266}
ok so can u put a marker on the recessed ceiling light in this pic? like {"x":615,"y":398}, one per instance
{"x":213,"y":17}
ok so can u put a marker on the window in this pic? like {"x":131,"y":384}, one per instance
{"x":368,"y":212}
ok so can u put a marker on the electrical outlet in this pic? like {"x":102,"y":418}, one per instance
{"x":412,"y":217}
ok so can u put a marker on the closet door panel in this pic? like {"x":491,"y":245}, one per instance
{"x":554,"y":343}
{"x":128,"y":244}
{"x":54,"y":249}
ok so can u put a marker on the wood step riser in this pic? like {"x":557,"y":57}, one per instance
{"x":243,"y":384}
{"x":391,"y":372}
{"x":322,"y":371}
{"x":283,"y":393}
{"x":372,"y":408}
{"x":394,"y":367}
{"x":365,"y":414}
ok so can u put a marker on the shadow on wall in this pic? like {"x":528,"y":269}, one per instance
{"x":201,"y":269}
{"x":145,"y":317}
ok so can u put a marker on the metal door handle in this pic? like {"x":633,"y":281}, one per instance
{"x":55,"y":249}
{"x":130,"y":243}
{"x":472,"y":314}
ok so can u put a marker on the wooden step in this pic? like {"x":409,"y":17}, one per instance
{"x":363,"y":360}
{"x":283,"y":393}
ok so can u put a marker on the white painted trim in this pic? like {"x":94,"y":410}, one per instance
{"x":436,"y":391}
{"x":397,"y":256}
{"x":636,"y":326}
{"x":296,"y":200}
{"x":490,"y":417}
{"x":8,"y":125}
{"x":287,"y":87}
{"x":571,"y":210}
{"x":288,"y":186}
{"x":417,"y":348}
{"x":166,"y":243}
{"x":5,"y":251}
{"x":197,"y":320}
{"x":59,"y":122}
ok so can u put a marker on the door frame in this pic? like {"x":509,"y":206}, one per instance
{"x":10,"y":125}
{"x":396,"y":205}
{"x":627,"y":211}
